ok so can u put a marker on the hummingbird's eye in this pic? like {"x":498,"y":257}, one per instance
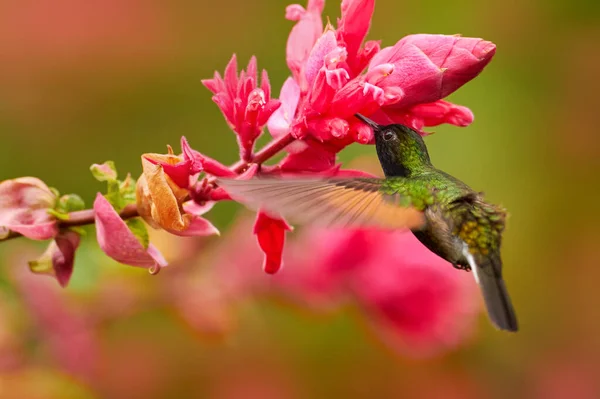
{"x":388,"y":135}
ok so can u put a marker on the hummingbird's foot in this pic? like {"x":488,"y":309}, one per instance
{"x":466,"y":268}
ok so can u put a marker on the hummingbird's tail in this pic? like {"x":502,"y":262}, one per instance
{"x":487,"y":271}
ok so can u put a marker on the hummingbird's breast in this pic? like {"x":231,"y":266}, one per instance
{"x":437,"y":236}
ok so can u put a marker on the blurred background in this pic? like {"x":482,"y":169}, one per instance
{"x":83,"y":82}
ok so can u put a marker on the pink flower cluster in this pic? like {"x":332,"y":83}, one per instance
{"x":336,"y":74}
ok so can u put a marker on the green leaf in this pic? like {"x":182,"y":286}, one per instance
{"x":138,"y":228}
{"x":127,"y":189}
{"x":104,"y":172}
{"x":70,"y":203}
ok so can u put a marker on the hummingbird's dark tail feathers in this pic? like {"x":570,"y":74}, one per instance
{"x":488,"y":274}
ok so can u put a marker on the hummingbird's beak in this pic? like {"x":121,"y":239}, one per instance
{"x":376,"y":126}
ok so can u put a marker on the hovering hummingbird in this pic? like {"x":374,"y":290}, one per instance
{"x":445,"y":214}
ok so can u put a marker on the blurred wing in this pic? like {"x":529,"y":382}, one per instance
{"x":327,"y":202}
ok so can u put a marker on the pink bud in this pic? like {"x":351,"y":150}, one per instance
{"x":58,"y":259}
{"x":294,"y":12}
{"x":24,"y":205}
{"x":430,"y":67}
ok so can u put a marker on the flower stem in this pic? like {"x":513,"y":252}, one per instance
{"x":266,"y":153}
{"x":86,"y":216}
{"x":82,"y":218}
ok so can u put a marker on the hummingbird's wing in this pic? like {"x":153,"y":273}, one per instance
{"x":354,"y":202}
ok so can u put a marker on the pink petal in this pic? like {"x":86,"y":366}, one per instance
{"x":63,"y":258}
{"x":430,"y":67}
{"x":313,"y":159}
{"x":294,"y":12}
{"x":431,"y":114}
{"x":280,"y":121}
{"x":462,"y":58}
{"x":357,"y":96}
{"x":303,"y":37}
{"x":230,"y":77}
{"x":325,"y":129}
{"x":58,"y":258}
{"x":40,"y":231}
{"x":199,"y":162}
{"x":441,"y":111}
{"x":353,"y":27}
{"x":196,"y":209}
{"x":198,"y":227}
{"x":105,"y":170}
{"x":271,"y":237}
{"x":179,"y":173}
{"x":316,"y":60}
{"x":365,"y":55}
{"x":118,"y":242}
{"x":326,"y":85}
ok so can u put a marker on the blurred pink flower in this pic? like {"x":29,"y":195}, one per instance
{"x":65,"y":330}
{"x":245,"y":104}
{"x":413,"y":301}
{"x":58,"y":258}
{"x":416,"y":301}
{"x":24,"y":205}
{"x":118,"y":242}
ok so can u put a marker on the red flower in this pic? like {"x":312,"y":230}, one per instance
{"x":271,"y":237}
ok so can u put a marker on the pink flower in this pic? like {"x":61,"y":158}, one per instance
{"x":24,"y":206}
{"x":245,"y":105}
{"x":118,"y":241}
{"x":336,"y":74}
{"x":59,"y":257}
{"x":331,"y":87}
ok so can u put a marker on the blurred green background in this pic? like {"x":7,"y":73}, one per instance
{"x":83,"y":82}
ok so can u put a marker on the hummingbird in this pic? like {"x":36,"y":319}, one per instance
{"x":447,"y":216}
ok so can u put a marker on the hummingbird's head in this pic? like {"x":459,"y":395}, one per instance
{"x":400,"y":149}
